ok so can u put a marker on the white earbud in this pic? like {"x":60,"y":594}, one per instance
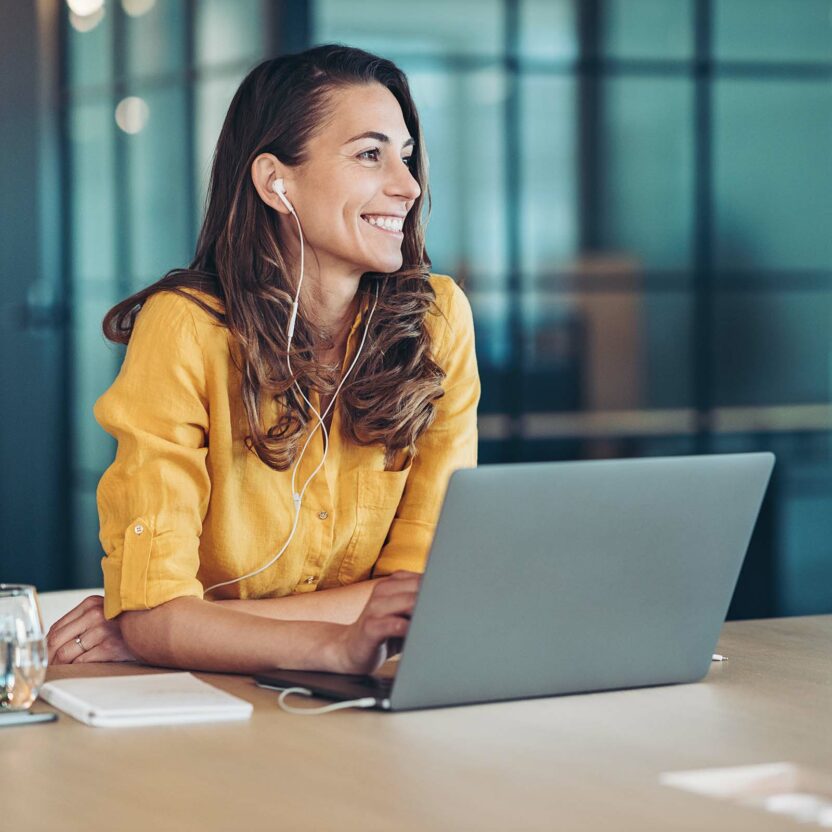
{"x":279,"y":187}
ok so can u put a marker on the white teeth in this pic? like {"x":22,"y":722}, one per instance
{"x":388,"y":223}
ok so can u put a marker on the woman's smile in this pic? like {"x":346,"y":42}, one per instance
{"x":388,"y":223}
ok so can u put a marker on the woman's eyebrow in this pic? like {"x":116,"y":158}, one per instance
{"x":379,"y":137}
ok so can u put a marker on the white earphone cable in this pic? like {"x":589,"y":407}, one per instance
{"x":297,"y":498}
{"x":365,"y":702}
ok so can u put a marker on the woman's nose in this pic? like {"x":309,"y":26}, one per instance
{"x":405,"y":185}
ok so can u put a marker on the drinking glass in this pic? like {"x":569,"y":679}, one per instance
{"x":22,"y":647}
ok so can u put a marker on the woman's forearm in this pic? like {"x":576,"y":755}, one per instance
{"x":193,"y":634}
{"x":341,"y":605}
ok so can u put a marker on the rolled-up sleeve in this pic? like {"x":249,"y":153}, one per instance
{"x":449,"y":444}
{"x":152,"y":500}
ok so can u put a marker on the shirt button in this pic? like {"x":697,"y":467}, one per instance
{"x":323,"y":515}
{"x":310,"y":579}
{"x":138,"y":529}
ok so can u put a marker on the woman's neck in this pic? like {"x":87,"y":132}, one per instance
{"x":331,"y":308}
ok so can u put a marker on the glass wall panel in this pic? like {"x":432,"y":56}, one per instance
{"x":155,"y":40}
{"x":773,"y":30}
{"x":596,"y":350}
{"x":647,"y":28}
{"x":611,"y":446}
{"x":229,"y":31}
{"x":595,"y":355}
{"x":549,"y":169}
{"x":548,"y":30}
{"x":646,"y":170}
{"x":157,"y":164}
{"x":212,"y":99}
{"x":462,"y":119}
{"x":773,"y":183}
{"x":491,"y":323}
{"x":801,"y":444}
{"x":772,"y":348}
{"x":805,"y":529}
{"x":556,"y":372}
{"x":91,"y":135}
{"x":90,"y":51}
{"x":398,"y":27}
{"x":669,"y":352}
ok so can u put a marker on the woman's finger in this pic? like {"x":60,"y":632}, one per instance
{"x":57,"y":639}
{"x":386,"y":627}
{"x":90,"y":602}
{"x":365,"y":639}
{"x":104,"y":643}
{"x":76,"y":627}
{"x":109,"y":650}
{"x":391,"y":585}
{"x":86,"y":621}
{"x":66,"y":653}
{"x":401,"y":603}
{"x":96,"y":635}
{"x":97,"y":654}
{"x":375,"y":640}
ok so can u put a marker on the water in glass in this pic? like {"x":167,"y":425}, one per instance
{"x":22,"y":647}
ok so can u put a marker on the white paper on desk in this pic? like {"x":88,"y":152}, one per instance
{"x":149,"y":699}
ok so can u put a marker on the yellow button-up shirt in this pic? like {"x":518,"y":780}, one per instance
{"x":185,"y":505}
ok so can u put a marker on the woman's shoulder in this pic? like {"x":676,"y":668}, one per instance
{"x":185,"y":300}
{"x":453,"y":316}
{"x":447,"y":290}
{"x":182,"y":315}
{"x":180,"y":301}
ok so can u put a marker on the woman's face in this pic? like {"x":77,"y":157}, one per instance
{"x":355,"y":187}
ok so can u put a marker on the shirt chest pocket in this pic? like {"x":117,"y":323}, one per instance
{"x":377,"y":498}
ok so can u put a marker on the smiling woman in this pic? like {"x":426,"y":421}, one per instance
{"x":238,"y":534}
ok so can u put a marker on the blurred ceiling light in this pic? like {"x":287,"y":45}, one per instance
{"x":84,"y":8}
{"x":132,"y":114}
{"x":136,"y":8}
{"x":88,"y":22}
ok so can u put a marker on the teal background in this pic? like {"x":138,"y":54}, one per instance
{"x":636,"y":195}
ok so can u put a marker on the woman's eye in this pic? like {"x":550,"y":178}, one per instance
{"x":372,"y":155}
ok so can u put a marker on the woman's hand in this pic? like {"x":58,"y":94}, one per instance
{"x":100,"y":640}
{"x":379,"y":631}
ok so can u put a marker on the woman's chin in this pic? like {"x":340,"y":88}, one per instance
{"x":387,"y":265}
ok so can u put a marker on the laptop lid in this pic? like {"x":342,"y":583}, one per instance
{"x":552,"y":578}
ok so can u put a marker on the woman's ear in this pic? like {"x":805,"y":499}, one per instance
{"x":266,"y":169}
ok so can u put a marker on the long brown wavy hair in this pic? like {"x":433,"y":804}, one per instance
{"x":390,"y":395}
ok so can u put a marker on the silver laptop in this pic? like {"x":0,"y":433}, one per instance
{"x":569,"y":577}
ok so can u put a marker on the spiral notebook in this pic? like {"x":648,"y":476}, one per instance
{"x":148,"y":699}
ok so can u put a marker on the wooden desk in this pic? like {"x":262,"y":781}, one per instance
{"x":567,"y":763}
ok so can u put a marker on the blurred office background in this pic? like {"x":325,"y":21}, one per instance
{"x":637,"y":195}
